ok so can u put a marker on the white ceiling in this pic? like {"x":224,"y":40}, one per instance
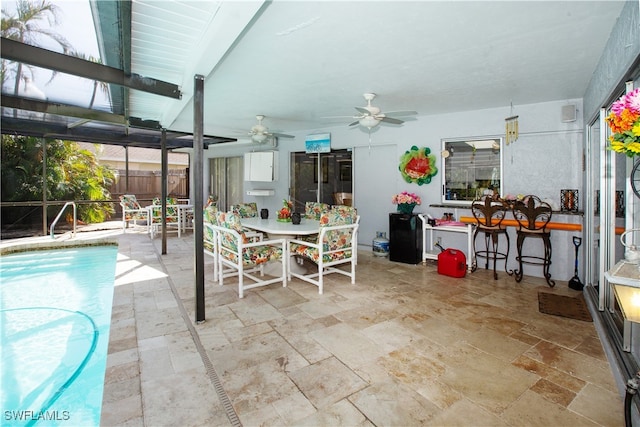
{"x":297,"y":62}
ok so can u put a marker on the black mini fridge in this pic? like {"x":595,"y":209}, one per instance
{"x":405,"y":238}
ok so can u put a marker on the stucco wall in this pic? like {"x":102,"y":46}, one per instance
{"x":621,"y":51}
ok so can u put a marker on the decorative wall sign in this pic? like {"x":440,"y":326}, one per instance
{"x":418,"y":165}
{"x":318,"y":143}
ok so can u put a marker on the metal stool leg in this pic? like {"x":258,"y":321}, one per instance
{"x":519,"y":242}
{"x":547,"y":260}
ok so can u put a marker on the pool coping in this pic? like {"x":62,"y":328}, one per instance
{"x":94,"y":238}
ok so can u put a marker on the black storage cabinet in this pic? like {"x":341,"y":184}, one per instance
{"x":405,"y":238}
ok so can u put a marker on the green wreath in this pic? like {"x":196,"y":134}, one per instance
{"x":418,"y":165}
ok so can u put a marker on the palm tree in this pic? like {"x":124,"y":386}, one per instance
{"x":104,"y":87}
{"x":25,"y":27}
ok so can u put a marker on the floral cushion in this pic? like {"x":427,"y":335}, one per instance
{"x":129,"y":201}
{"x":345,"y":211}
{"x":208,"y":238}
{"x":313,"y":210}
{"x":260,"y":254}
{"x":231,"y":221}
{"x":170,"y":201}
{"x":209,"y":214}
{"x":229,"y":244}
{"x":314,"y":255}
{"x":246,"y":210}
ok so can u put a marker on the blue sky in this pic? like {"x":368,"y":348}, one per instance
{"x":76,"y":25}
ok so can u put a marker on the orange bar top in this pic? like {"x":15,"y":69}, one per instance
{"x":552,"y":225}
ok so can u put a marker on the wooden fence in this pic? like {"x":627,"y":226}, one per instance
{"x":146,"y":185}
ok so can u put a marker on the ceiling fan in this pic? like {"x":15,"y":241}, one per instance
{"x":260,"y":134}
{"x":370,"y":116}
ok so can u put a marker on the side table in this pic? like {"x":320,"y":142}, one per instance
{"x":624,"y":278}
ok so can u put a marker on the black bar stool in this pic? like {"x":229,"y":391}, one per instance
{"x":533,"y":215}
{"x":489,"y":212}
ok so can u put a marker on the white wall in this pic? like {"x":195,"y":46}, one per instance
{"x":546,"y":158}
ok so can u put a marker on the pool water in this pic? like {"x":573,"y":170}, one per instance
{"x":55,"y":315}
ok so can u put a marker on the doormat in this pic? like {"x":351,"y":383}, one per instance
{"x":565,"y":306}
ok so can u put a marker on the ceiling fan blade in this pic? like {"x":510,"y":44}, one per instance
{"x":400,"y":113}
{"x":354,"y":123}
{"x":391,"y":120}
{"x":363,"y":111}
{"x":282,"y":135}
{"x":337,"y":117}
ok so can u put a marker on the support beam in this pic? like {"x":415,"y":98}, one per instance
{"x":32,"y":55}
{"x":163,"y":192}
{"x":198,"y":183}
{"x":45,"y":220}
{"x":60,"y":109}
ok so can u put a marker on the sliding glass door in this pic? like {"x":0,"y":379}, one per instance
{"x":321,"y":177}
{"x":226,"y":180}
{"x":612,"y":208}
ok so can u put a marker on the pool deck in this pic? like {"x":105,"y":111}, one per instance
{"x":403,"y":346}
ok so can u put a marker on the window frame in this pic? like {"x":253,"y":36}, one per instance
{"x":452,"y":193}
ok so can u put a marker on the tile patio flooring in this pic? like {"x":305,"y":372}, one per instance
{"x":404,"y":346}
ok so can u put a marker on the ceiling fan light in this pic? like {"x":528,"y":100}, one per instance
{"x":259,"y":137}
{"x":369,"y":122}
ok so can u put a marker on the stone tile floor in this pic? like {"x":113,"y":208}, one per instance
{"x":404,"y":346}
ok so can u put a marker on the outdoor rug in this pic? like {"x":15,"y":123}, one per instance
{"x":564,"y":305}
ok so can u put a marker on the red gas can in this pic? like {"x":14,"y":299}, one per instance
{"x":452,"y":262}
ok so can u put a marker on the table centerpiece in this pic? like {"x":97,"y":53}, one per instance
{"x":284,"y":214}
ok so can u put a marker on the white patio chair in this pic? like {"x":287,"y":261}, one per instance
{"x":172,"y":217}
{"x":243,"y":258}
{"x":336,"y":245}
{"x":132,"y":211}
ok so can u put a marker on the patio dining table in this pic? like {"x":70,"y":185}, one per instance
{"x":282,"y":230}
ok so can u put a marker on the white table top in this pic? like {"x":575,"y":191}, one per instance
{"x":624,"y":273}
{"x":273,"y":226}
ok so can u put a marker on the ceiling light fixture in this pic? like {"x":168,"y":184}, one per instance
{"x":259,"y":137}
{"x":369,"y":122}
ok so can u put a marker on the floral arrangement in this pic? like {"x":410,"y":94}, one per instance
{"x":406,"y":198}
{"x":284,"y":214}
{"x":512,"y":198}
{"x":624,"y":122}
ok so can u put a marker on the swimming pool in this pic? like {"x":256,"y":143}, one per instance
{"x":55,"y":316}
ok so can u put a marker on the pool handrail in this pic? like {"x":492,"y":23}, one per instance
{"x":55,"y":221}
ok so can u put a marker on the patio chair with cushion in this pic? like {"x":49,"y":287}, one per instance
{"x":248,"y":210}
{"x":353,"y":212}
{"x":244,"y":257}
{"x":132,"y":211}
{"x":336,"y":245}
{"x":209,"y":238}
{"x":173,"y":217}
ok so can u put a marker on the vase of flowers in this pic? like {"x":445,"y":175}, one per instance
{"x":406,"y":201}
{"x":624,"y":122}
{"x":284,"y":214}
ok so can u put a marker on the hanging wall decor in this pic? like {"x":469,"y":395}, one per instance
{"x":418,"y":165}
{"x":511,"y":128}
